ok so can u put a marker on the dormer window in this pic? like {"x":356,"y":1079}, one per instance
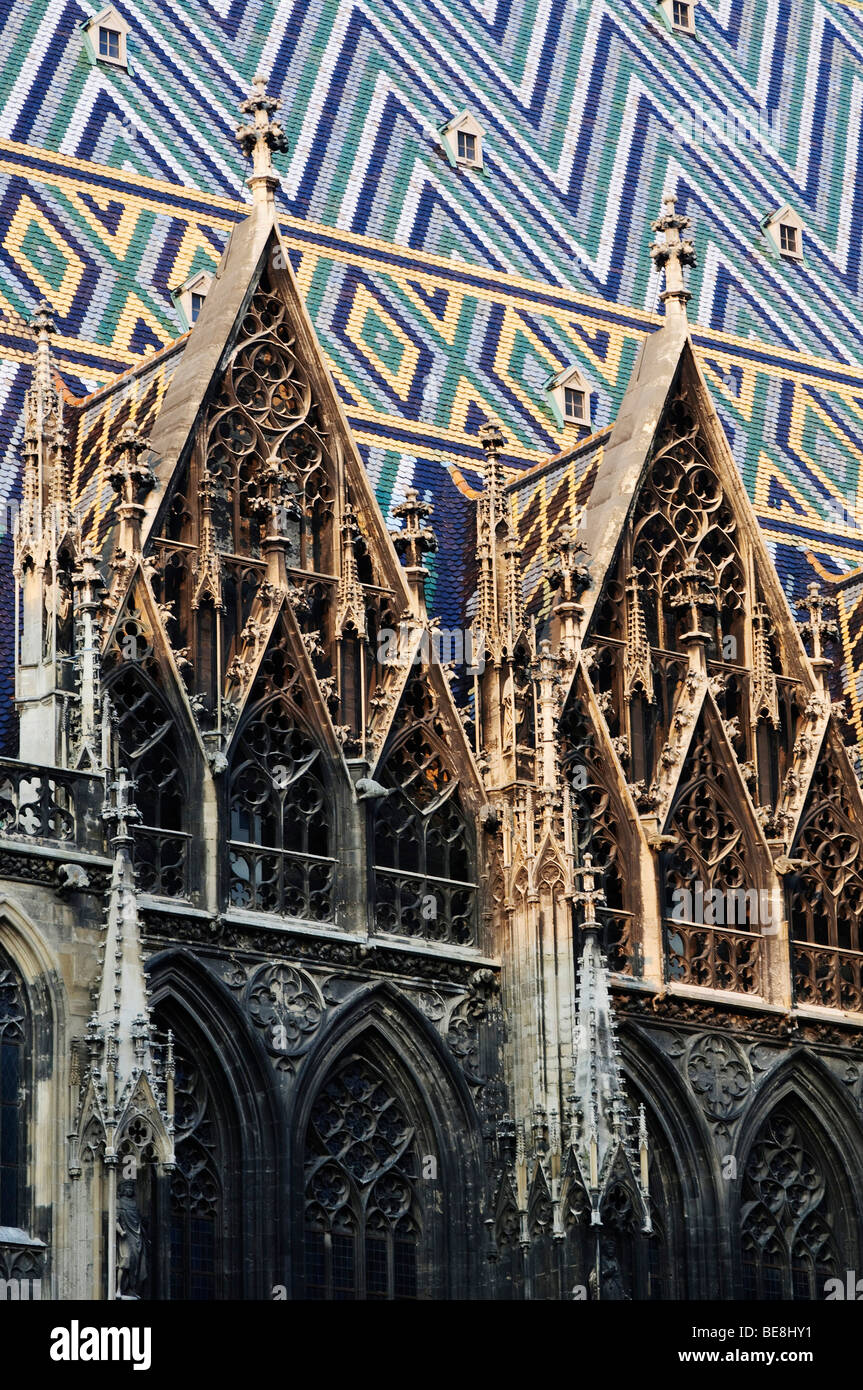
{"x":466,"y":147}
{"x":109,"y":43}
{"x":190,"y":296}
{"x":569,"y":397}
{"x":679,"y":15}
{"x":462,"y":140}
{"x":574,"y":405}
{"x":785,"y":230}
{"x":106,"y":34}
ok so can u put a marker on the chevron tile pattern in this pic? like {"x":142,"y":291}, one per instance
{"x":441,"y":295}
{"x":421,"y":348}
{"x":591,"y":108}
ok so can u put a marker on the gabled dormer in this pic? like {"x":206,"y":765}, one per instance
{"x":189,"y":297}
{"x":784,"y":230}
{"x":569,"y":397}
{"x":106,"y":38}
{"x":462,"y":137}
{"x":679,"y":15}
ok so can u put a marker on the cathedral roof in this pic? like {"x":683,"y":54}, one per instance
{"x":442,"y":298}
{"x":592,"y":480}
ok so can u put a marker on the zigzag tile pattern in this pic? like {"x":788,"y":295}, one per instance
{"x":591,"y":108}
{"x":421,"y":349}
{"x":441,"y":296}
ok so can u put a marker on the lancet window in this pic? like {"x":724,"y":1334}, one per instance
{"x":363,"y":1215}
{"x":151,"y":752}
{"x":282,"y":842}
{"x":712,"y":903}
{"x":825,"y":894}
{"x":14,"y":1093}
{"x":788,"y":1242}
{"x":423,"y":843}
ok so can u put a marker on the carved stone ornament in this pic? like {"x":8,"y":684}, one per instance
{"x":719,"y":1076}
{"x":463,"y":1038}
{"x":286,"y":1005}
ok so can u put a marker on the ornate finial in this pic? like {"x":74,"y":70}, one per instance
{"x":565,"y":571}
{"x":697,"y":592}
{"x":351,"y":609}
{"x":637,"y":662}
{"x":570,"y":577}
{"x":277,"y":505}
{"x":514,"y":589}
{"x":490,"y":520}
{"x":43,"y":518}
{"x":261,"y":137}
{"x":132,"y":480}
{"x":43,"y":326}
{"x":120,"y":809}
{"x":207,"y":573}
{"x":42,"y":322}
{"x":589,"y":895}
{"x":816,"y":627}
{"x":643,"y":1150}
{"x":763,"y":693}
{"x":672,"y":254}
{"x":414,"y":541}
{"x":491,"y":438}
{"x":129,"y":476}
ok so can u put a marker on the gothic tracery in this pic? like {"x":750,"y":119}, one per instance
{"x":423,"y":855}
{"x":363,"y":1219}
{"x":826,"y":893}
{"x":788,"y":1247}
{"x":14,"y":1093}
{"x":712,"y":853}
{"x":281,"y":824}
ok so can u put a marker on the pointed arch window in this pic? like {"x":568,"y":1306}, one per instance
{"x":364,"y":1223}
{"x":423,"y":844}
{"x":14,"y":1058}
{"x":767,"y":761}
{"x":197,"y":1215}
{"x":281,"y":818}
{"x":789,"y":1246}
{"x":708,"y":881}
{"x":599,"y":828}
{"x":151,"y":751}
{"x":195,"y":1227}
{"x":508,"y":1257}
{"x":826,"y":896}
{"x":540,"y":1222}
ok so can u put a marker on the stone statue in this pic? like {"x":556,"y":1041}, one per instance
{"x":131,"y":1244}
{"x":609,"y":1284}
